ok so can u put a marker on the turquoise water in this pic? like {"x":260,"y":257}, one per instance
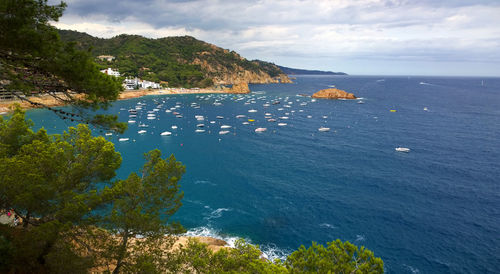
{"x":433,"y":210}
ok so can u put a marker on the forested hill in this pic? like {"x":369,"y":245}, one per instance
{"x":293,"y":71}
{"x":180,"y":61}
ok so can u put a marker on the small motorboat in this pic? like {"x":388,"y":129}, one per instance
{"x":402,"y":149}
{"x":131,"y":121}
{"x":200,"y":125}
{"x":166,"y":133}
{"x":252,"y":110}
{"x":141,"y":131}
{"x":199,"y":130}
{"x":260,"y":129}
{"x":174,"y":127}
{"x":222,"y":132}
{"x":282,"y":124}
{"x":123,"y":139}
{"x":225,"y":126}
{"x":324,"y":129}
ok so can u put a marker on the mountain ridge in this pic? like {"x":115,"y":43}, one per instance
{"x":178,"y":60}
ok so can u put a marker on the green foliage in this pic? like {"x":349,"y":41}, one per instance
{"x":171,"y":59}
{"x":142,"y":205}
{"x":33,"y":59}
{"x":243,"y":258}
{"x":337,"y":257}
{"x":61,"y":186}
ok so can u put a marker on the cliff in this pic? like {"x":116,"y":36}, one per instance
{"x":333,"y":93}
{"x":181,"y":61}
{"x":240,"y":88}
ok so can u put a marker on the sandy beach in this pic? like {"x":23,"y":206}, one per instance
{"x":6,"y":106}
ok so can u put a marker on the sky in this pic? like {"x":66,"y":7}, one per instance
{"x":359,"y":37}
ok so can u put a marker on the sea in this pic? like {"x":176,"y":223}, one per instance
{"x":434,"y":209}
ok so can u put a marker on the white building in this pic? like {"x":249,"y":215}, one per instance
{"x":110,"y":71}
{"x":136,"y":83}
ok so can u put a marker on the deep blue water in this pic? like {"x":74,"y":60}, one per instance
{"x":433,"y":210}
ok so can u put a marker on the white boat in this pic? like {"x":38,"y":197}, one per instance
{"x":143,"y":125}
{"x":131,"y":121}
{"x":200,"y":125}
{"x":151,"y":115}
{"x":426,"y":109}
{"x":217,"y":104}
{"x":361,"y":102}
{"x":241,"y":116}
{"x":222,"y":132}
{"x":402,"y":149}
{"x":246,"y":123}
{"x":123,"y":139}
{"x":178,"y":116}
{"x":271,"y":120}
{"x":268,"y":114}
{"x":132,"y":116}
{"x":156,"y":109}
{"x":108,"y":134}
{"x":141,"y":131}
{"x":212,"y":122}
{"x":174,"y":127}
{"x":225,"y":126}
{"x":199,"y":130}
{"x":166,"y":133}
{"x":219,"y":117}
{"x":168,"y":111}
{"x":282,"y":124}
{"x":323,"y":129}
{"x":151,"y":118}
{"x":260,"y":129}
{"x":324,"y":116}
{"x":252,"y":110}
{"x":284,"y":118}
{"x":309,"y":116}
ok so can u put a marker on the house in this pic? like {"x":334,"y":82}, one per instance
{"x":110,"y":71}
{"x":136,"y":83}
{"x":108,"y":58}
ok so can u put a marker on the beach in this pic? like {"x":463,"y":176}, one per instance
{"x":49,"y":101}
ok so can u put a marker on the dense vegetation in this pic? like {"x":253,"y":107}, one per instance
{"x":34,"y":60}
{"x":176,"y":60}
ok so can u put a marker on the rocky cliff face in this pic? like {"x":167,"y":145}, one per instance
{"x":222,"y":74}
{"x":333,"y":93}
{"x":240,"y":88}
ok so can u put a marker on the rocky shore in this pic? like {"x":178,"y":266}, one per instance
{"x":333,"y":93}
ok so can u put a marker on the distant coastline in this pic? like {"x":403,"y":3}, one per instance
{"x":295,"y":71}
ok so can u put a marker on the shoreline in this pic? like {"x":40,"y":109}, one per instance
{"x":6,"y":106}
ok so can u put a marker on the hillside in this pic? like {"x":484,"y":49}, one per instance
{"x":180,"y":61}
{"x":294,"y":71}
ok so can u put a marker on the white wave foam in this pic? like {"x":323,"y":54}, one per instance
{"x":217,"y":213}
{"x":412,"y":269}
{"x":360,"y":238}
{"x":269,"y":251}
{"x":204,"y":182}
{"x":328,"y":225}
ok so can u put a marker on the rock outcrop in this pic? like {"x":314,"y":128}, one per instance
{"x":333,"y":93}
{"x":240,"y":88}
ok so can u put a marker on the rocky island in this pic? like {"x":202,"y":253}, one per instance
{"x":333,"y":93}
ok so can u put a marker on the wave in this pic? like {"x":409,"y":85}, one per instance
{"x":327,"y":225}
{"x":360,"y":238}
{"x":216,"y":213}
{"x":270,"y":252}
{"x":204,"y":182}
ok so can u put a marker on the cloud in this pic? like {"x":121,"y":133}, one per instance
{"x":377,"y":31}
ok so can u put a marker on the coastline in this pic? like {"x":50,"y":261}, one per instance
{"x":6,"y":106}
